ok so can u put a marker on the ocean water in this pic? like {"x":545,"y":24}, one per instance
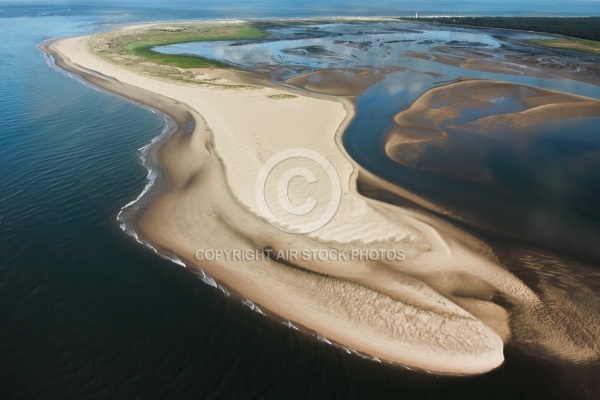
{"x":87,"y":312}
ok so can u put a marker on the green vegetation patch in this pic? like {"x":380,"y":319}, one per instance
{"x":587,"y":46}
{"x":141,"y":45}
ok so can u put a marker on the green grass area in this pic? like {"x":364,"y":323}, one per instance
{"x":583,"y":45}
{"x":142,"y":46}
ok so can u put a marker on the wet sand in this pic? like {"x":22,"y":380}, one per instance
{"x":422,"y":122}
{"x":340,"y":81}
{"x":476,"y":61}
{"x":534,"y":62}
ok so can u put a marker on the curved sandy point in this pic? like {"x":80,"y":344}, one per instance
{"x":431,"y":310}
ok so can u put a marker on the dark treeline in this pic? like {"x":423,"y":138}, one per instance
{"x":582,"y":27}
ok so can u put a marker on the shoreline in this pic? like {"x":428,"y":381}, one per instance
{"x":159,"y":185}
{"x":175,"y":116}
{"x":328,"y":321}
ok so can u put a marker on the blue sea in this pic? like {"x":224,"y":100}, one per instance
{"x":86,"y":312}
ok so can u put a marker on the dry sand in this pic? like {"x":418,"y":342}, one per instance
{"x":433,"y":310}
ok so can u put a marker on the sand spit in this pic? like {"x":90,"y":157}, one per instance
{"x":433,"y":308}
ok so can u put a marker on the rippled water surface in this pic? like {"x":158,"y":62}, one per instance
{"x":87,"y":312}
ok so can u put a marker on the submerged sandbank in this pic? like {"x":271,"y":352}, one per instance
{"x":513,"y":110}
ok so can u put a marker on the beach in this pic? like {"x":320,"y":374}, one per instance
{"x":430,"y":309}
